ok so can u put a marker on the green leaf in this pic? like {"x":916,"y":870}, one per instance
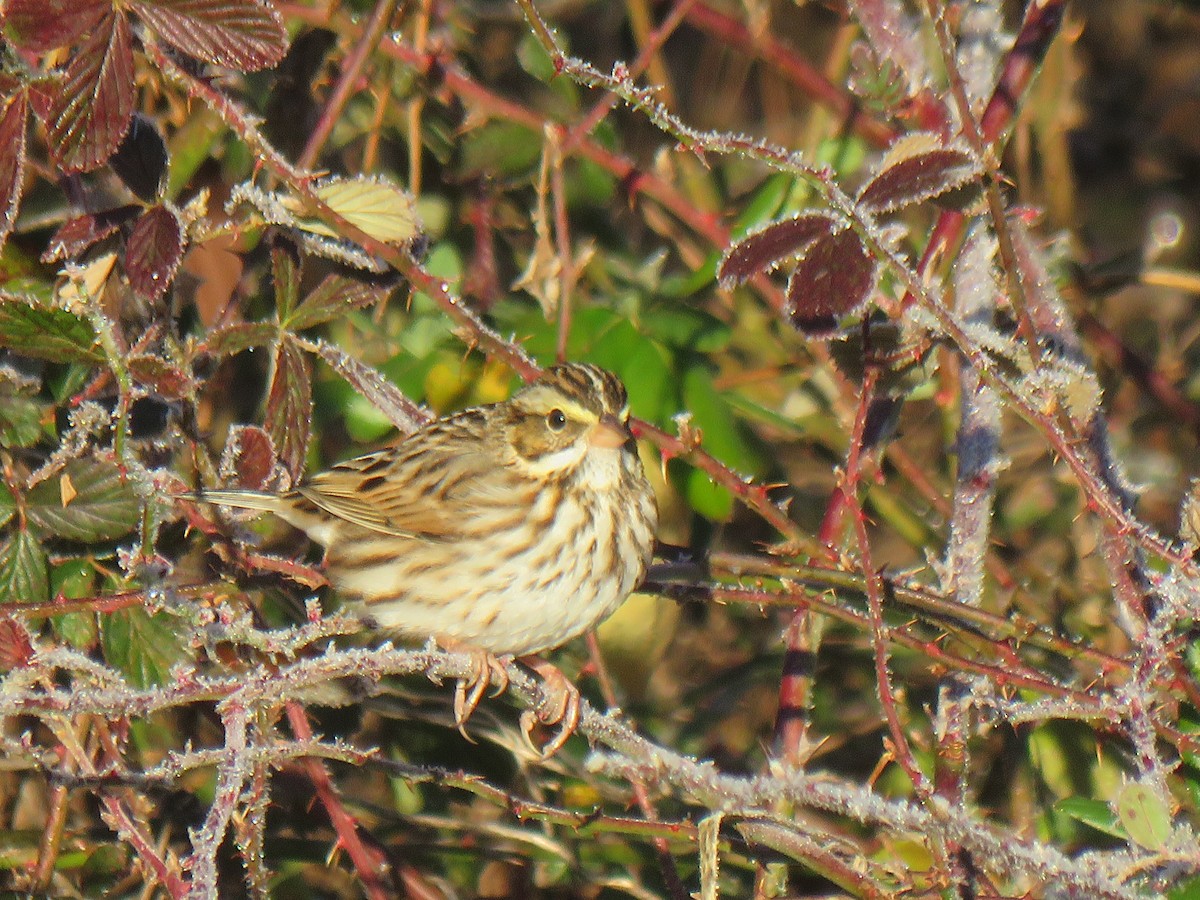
{"x":707,"y":497}
{"x":642,"y":365}
{"x":144,"y":648}
{"x":285,"y":277}
{"x":687,"y":329}
{"x":73,"y":579}
{"x":764,"y":205}
{"x":1093,"y":813}
{"x":20,"y":420}
{"x":23,"y":572}
{"x":8,"y":506}
{"x":235,"y":338}
{"x":87,"y":501}
{"x":1144,"y":816}
{"x":713,"y":415}
{"x":333,"y":297}
{"x":52,"y":334}
{"x":500,"y":150}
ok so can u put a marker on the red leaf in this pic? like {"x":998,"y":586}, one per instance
{"x":12,"y":160}
{"x":769,"y":246}
{"x":153,"y":252}
{"x":90,"y":109}
{"x":250,"y":454}
{"x":41,"y":25}
{"x":289,"y":406}
{"x":240,"y":34}
{"x":917,"y":168}
{"x":16,"y":647}
{"x":834,"y":279}
{"x":164,"y":378}
{"x":76,"y":235}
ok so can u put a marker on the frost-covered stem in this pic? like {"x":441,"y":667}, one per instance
{"x":653,"y":44}
{"x":995,"y":848}
{"x":937,"y":609}
{"x":880,"y":634}
{"x":373,"y":31}
{"x":662,"y":850}
{"x":728,"y":31}
{"x":755,"y":496}
{"x":232,"y":773}
{"x":950,"y":762}
{"x":991,"y":180}
{"x":372,"y":866}
{"x":1008,"y":670}
{"x":130,"y":830}
{"x":974,"y":489}
{"x":250,"y":830}
{"x":978,"y":439}
{"x":114,"y":356}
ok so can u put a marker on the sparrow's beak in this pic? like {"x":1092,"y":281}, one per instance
{"x":609,"y":432}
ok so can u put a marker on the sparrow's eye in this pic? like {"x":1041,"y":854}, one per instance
{"x":556,"y":420}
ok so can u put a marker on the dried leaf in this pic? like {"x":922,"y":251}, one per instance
{"x":12,"y":160}
{"x":333,"y":297}
{"x":240,"y":34}
{"x":53,"y":334}
{"x":917,"y":168}
{"x":833,"y":280}
{"x":289,"y":406}
{"x":153,"y":252}
{"x":90,"y":109}
{"x":24,"y":572}
{"x":763,"y":250}
{"x":104,"y":506}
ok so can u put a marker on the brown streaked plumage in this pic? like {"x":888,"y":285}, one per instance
{"x":512,"y":528}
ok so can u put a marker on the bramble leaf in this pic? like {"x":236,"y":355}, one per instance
{"x":24,"y":573}
{"x":87,"y":501}
{"x":917,"y":167}
{"x":12,"y":160}
{"x":834,"y":279}
{"x":240,"y":34}
{"x":89,"y":110}
{"x":56,"y":335}
{"x":153,"y":252}
{"x":763,"y":250}
{"x":289,"y":406}
{"x":142,"y":646}
{"x":41,"y":25}
{"x":333,"y":297}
